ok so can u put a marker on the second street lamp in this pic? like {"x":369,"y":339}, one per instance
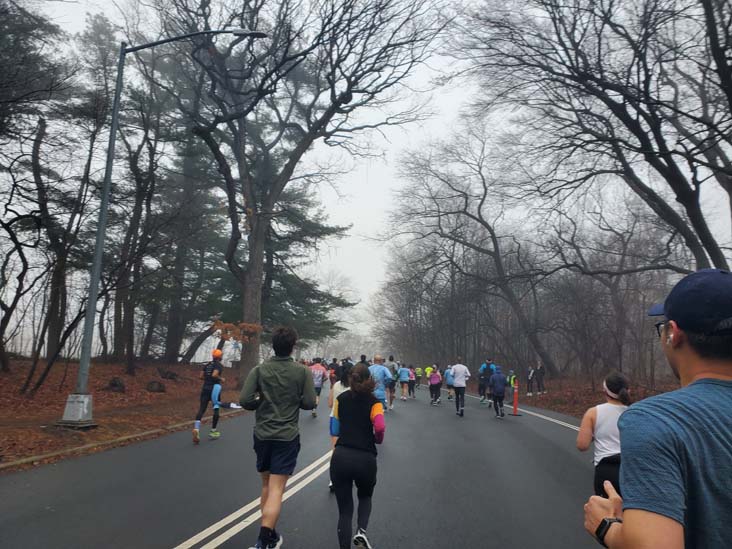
{"x":78,"y":411}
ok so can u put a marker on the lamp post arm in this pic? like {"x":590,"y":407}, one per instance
{"x":133,"y":49}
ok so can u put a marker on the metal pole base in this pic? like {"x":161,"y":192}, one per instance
{"x":78,"y":412}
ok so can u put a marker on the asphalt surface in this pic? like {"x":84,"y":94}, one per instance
{"x":443,"y":481}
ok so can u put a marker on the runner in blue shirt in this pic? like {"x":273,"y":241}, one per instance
{"x":449,"y":381}
{"x":403,"y":374}
{"x":381,"y":376}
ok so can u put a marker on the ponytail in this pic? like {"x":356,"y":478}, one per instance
{"x":360,"y":380}
{"x":616,"y":386}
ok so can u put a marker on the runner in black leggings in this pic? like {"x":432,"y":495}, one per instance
{"x":358,"y":422}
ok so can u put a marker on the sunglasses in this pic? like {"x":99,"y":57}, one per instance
{"x":659,"y":326}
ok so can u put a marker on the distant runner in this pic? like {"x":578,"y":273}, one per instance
{"x":460,"y":374}
{"x":418,"y":377}
{"x":381,"y":376}
{"x":391,"y":385}
{"x":435,"y":379}
{"x":449,"y":382}
{"x":320,"y":374}
{"x":484,"y":374}
{"x":404,"y":374}
{"x":497,"y":384}
{"x":412,"y":381}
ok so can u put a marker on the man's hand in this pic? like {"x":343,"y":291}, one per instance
{"x":598,"y":508}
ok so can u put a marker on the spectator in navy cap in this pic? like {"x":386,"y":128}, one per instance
{"x":677,"y":447}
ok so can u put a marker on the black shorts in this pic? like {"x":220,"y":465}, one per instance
{"x":404,"y":383}
{"x":391,"y":385}
{"x":317,"y":390}
{"x":450,"y":387}
{"x":277,"y":457}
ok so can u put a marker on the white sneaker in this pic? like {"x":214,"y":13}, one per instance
{"x":235,"y":406}
{"x":360,"y":540}
{"x":529,"y":394}
{"x":391,"y":407}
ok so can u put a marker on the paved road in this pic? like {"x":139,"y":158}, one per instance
{"x":444,"y":481}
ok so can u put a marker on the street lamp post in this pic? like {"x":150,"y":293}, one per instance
{"x":78,"y":411}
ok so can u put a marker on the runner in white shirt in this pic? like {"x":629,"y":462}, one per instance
{"x":460,"y":374}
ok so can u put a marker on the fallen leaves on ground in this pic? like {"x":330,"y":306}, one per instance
{"x":27,"y":424}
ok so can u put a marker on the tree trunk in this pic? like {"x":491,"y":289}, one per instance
{"x":197,"y":342}
{"x":176,"y":323}
{"x":4,"y":359}
{"x":103,"y":330}
{"x":147,"y":340}
{"x":252,"y":295}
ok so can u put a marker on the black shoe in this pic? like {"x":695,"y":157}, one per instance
{"x":503,"y":414}
{"x":462,"y":413}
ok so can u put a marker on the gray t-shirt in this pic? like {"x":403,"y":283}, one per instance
{"x":677,"y":460}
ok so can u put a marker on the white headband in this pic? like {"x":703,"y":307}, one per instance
{"x":608,"y":392}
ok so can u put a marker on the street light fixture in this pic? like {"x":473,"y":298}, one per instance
{"x":78,"y":411}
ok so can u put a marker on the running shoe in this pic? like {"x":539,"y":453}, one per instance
{"x":315,"y":414}
{"x":274,"y":545}
{"x":503,"y":414}
{"x":235,"y":406}
{"x":360,"y":539}
{"x":391,"y":406}
{"x":213,"y":435}
{"x":196,"y":436}
{"x":529,"y":394}
{"x":462,"y":412}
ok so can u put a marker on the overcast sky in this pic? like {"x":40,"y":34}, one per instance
{"x":363,"y":198}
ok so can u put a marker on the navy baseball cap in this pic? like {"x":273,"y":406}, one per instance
{"x":700,"y":303}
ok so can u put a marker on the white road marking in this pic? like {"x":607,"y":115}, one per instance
{"x":234,"y":530}
{"x":255,"y":516}
{"x":198,"y":538}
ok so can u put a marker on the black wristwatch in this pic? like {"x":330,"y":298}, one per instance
{"x":602,"y":529}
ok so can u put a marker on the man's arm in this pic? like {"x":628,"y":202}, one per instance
{"x":249,"y":396}
{"x":639,"y":529}
{"x":307,"y":401}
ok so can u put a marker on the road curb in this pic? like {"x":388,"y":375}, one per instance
{"x":77,"y":449}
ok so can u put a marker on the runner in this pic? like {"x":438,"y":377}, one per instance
{"x":277,"y":389}
{"x":391,"y":385}
{"x":412,"y":381}
{"x":428,"y":372}
{"x":211,"y":391}
{"x":448,"y":382}
{"x":418,"y":377}
{"x":600,"y":424}
{"x":484,"y":374}
{"x":497,"y":384}
{"x":404,"y":374}
{"x":358,"y":422}
{"x":320,"y":374}
{"x":340,"y":386}
{"x":435,"y":380}
{"x":333,"y":371}
{"x":460,"y":374}
{"x":381,"y":376}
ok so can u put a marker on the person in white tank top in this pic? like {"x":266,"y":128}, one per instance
{"x":600,"y":424}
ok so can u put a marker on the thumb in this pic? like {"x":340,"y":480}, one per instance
{"x":610,"y":490}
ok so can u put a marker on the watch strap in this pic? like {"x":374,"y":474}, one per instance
{"x":603,"y":528}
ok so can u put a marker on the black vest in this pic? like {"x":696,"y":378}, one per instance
{"x":354,"y":415}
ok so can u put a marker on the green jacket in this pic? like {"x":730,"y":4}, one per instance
{"x":285,"y":387}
